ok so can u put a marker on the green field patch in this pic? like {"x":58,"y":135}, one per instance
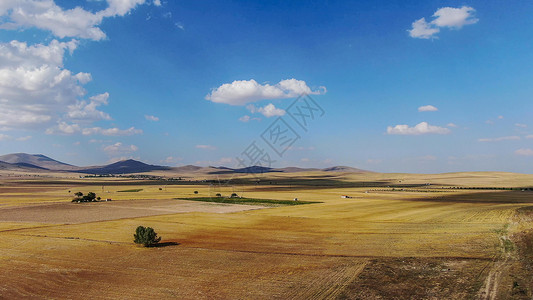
{"x":130,"y":191}
{"x":236,"y":200}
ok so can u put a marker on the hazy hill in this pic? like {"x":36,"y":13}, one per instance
{"x":124,"y":167}
{"x":23,"y":161}
{"x":344,"y":169}
{"x":36,"y":161}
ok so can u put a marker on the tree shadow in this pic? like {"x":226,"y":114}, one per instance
{"x":164,"y":244}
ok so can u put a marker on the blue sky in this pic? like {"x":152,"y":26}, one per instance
{"x":405,"y":86}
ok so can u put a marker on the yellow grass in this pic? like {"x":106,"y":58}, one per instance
{"x":304,"y":251}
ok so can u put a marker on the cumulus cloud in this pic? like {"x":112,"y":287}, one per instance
{"x":500,"y":139}
{"x":151,"y":118}
{"x":427,"y":108}
{"x":268,"y":110}
{"x":422,"y":29}
{"x":524,"y":152}
{"x":35,"y":89}
{"x":206,"y":147}
{"x":454,"y":17}
{"x":453,"y":125}
{"x":446,"y":17}
{"x":119,"y":149}
{"x":242,"y":92}
{"x":87,"y":110}
{"x":76,"y":22}
{"x":419,"y":129}
{"x":4,"y":137}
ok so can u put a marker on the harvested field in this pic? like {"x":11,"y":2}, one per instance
{"x":71,"y":213}
{"x":372,"y":246}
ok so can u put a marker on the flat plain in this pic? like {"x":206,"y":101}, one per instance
{"x":397,"y":236}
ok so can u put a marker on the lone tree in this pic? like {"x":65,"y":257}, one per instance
{"x":146,"y":236}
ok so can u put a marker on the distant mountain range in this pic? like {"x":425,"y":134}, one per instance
{"x":39,"y":162}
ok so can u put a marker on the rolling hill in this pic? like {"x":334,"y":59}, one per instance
{"x":34,"y":162}
{"x":123,"y":167}
{"x":37,"y":161}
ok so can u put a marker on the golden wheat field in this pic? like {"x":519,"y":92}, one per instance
{"x":417,"y":241}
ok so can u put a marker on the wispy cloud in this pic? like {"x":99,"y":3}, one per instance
{"x":524,"y":152}
{"x":151,"y":118}
{"x":247,"y":118}
{"x":500,"y":139}
{"x":206,"y":147}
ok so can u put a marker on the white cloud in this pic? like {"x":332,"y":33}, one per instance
{"x":157,"y":2}
{"x":86,"y":111}
{"x":499,"y":139}
{"x":35,"y":89}
{"x":247,"y":118}
{"x":151,"y":118}
{"x":453,"y":125}
{"x":454,"y":17}
{"x":206,"y":147}
{"x":422,"y":29}
{"x":76,"y":22}
{"x":179,"y":25}
{"x":268,"y":110}
{"x":520,"y":125}
{"x":69,"y":129}
{"x":449,"y":17}
{"x":241,"y":92}
{"x":500,"y":117}
{"x":4,"y":137}
{"x":111,"y":131}
{"x":529,"y":136}
{"x":524,"y":152}
{"x":421,"y":128}
{"x":119,"y":148}
{"x":428,"y":108}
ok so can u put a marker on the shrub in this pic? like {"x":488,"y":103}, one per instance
{"x":234,"y":195}
{"x":146,"y":236}
{"x":196,"y":192}
{"x":219,"y":195}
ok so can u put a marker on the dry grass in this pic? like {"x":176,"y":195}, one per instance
{"x":368,"y":246}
